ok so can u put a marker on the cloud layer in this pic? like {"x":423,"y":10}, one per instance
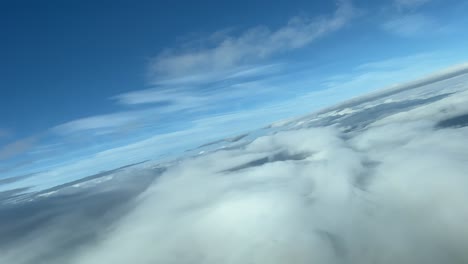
{"x":388,"y":190}
{"x":391,"y":193}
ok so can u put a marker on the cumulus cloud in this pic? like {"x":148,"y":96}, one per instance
{"x":392,"y":191}
{"x":389,"y":191}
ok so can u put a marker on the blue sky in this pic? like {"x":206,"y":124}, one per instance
{"x":88,"y":86}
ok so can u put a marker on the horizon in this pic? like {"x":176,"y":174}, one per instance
{"x":233,"y":132}
{"x":106,"y":83}
{"x":440,"y":75}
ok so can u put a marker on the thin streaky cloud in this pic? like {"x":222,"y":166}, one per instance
{"x":96,"y":122}
{"x":411,"y":25}
{"x":254,"y":44}
{"x":410,"y":4}
{"x":4,"y":133}
{"x":17,"y":147}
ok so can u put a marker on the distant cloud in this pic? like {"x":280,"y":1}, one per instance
{"x":396,"y":63}
{"x":368,"y":77}
{"x":12,"y":167}
{"x":391,"y":192}
{"x":209,"y":76}
{"x":111,"y":122}
{"x":254,"y":44}
{"x":411,"y":25}
{"x":410,"y":18}
{"x":163,"y":102}
{"x":17,"y":147}
{"x":167,"y":100}
{"x":177,"y":98}
{"x":410,"y":4}
{"x":15,"y":178}
{"x":4,"y":133}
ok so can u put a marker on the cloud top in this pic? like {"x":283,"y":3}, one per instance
{"x":390,"y":189}
{"x":390,"y":193}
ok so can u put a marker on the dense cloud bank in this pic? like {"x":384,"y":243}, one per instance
{"x":393,"y":191}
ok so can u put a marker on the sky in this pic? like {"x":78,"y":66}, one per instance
{"x":87,"y":86}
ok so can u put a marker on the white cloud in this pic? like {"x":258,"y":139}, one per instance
{"x":254,"y":44}
{"x":121,"y":122}
{"x":166,"y":145}
{"x":395,"y":73}
{"x":177,"y":74}
{"x":410,"y":209}
{"x":364,"y":78}
{"x":392,"y":192}
{"x":4,"y":133}
{"x":17,"y":147}
{"x":410,"y":18}
{"x":412,"y":25}
{"x":177,"y":99}
{"x":396,"y":62}
{"x":234,"y":74}
{"x":410,"y":4}
{"x":172,"y":96}
{"x":96,"y":122}
{"x":178,"y":96}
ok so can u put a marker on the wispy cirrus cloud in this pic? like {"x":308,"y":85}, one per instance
{"x":411,"y":18}
{"x":409,"y":25}
{"x":17,"y":147}
{"x":168,"y":100}
{"x":192,"y":89}
{"x":218,"y":124}
{"x":229,"y":68}
{"x":106,"y":121}
{"x":225,"y":70}
{"x":4,"y":133}
{"x":250,"y":46}
{"x":163,"y":103}
{"x":173,"y":99}
{"x":410,"y":4}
